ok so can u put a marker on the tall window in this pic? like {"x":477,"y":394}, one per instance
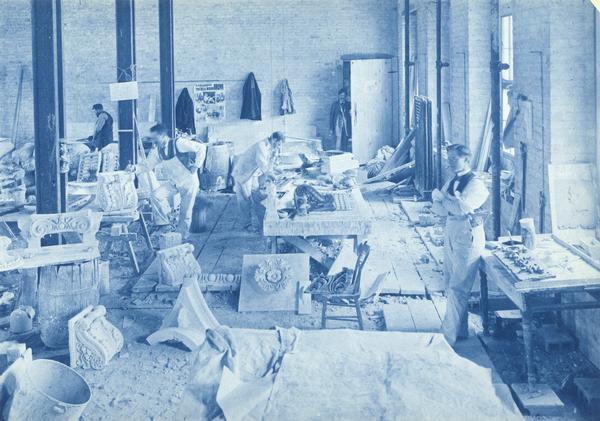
{"x":506,"y":56}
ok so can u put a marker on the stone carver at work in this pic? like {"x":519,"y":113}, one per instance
{"x":251,"y":170}
{"x":459,"y":201}
{"x":103,"y":129}
{"x":179,"y":160}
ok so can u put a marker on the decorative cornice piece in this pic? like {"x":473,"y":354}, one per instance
{"x":272,"y":275}
{"x":116,"y":191}
{"x":93,"y":340}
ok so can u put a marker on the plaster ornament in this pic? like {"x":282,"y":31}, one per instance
{"x":272,"y":275}
{"x":93,"y":340}
{"x":177,"y":263}
{"x":116,"y":191}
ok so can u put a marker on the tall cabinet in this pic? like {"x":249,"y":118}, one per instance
{"x":369,"y":82}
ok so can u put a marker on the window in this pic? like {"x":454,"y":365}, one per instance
{"x":506,"y":56}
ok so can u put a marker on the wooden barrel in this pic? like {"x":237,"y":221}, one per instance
{"x":217,"y":166}
{"x":63,"y":292}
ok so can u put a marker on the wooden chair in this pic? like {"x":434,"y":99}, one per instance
{"x":341,"y":290}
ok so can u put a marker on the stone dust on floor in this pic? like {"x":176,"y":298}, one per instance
{"x":146,"y":382}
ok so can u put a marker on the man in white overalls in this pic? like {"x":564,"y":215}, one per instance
{"x":250,"y":170}
{"x":178,"y":161}
{"x":459,"y":201}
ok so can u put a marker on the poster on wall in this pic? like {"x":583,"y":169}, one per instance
{"x":209,"y":102}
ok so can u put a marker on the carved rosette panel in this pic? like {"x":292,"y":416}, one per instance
{"x":272,"y":275}
{"x":96,"y":340}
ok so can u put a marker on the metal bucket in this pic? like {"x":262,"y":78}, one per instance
{"x":45,"y":390}
{"x":217,"y":166}
{"x":63,"y":292}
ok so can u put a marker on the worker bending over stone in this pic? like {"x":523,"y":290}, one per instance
{"x":251,"y":170}
{"x":460,"y":201}
{"x":178,"y":161}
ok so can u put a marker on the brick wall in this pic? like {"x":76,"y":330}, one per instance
{"x":214,"y":41}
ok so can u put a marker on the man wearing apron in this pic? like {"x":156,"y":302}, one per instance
{"x":178,"y":161}
{"x":459,"y":201}
{"x":250,"y":170}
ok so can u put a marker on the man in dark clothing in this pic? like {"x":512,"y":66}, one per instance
{"x":340,"y":123}
{"x":103,"y":131}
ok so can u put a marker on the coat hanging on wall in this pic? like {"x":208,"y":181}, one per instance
{"x":184,"y":113}
{"x":287,"y":103}
{"x":251,"y":99}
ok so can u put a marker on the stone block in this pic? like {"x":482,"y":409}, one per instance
{"x":168,"y":240}
{"x":93,"y":340}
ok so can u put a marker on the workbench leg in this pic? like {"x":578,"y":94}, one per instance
{"x":527,"y":318}
{"x":145,"y":232}
{"x":484,"y":302}
{"x":131,"y":251}
{"x":274,"y":245}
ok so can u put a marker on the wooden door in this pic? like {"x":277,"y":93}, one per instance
{"x":371,"y":103}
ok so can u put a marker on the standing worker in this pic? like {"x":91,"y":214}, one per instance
{"x":340,"y":122}
{"x":251,"y":170}
{"x":103,"y":131}
{"x":460,"y":201}
{"x":179,"y":160}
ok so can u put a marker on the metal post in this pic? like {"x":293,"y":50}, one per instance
{"x":496,"y":68}
{"x":61,"y":102}
{"x":167,"y":75}
{"x":46,"y":94}
{"x":439,"y":65}
{"x":407,"y":65}
{"x":125,"y":19}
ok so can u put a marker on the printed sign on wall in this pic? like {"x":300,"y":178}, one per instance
{"x":209,"y":102}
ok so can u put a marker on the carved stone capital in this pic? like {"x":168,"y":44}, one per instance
{"x":93,"y":340}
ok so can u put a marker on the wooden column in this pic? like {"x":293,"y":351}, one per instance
{"x":46,"y":98}
{"x":125,"y":18}
{"x":167,"y":74}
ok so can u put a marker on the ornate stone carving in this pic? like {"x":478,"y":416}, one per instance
{"x":177,"y":263}
{"x":89,"y":165}
{"x":273,"y":274}
{"x":93,"y":340}
{"x":116,"y":191}
{"x":37,"y":226}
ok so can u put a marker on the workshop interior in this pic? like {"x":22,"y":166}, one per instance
{"x":299,"y":210}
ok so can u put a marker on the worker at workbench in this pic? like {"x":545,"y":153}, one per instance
{"x":251,"y":170}
{"x":460,"y":201}
{"x":178,"y":160}
{"x":103,"y":130}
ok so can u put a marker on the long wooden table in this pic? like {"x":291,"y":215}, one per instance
{"x":574,"y":272}
{"x":353,"y":223}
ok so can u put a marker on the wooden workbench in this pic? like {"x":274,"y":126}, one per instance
{"x":573,"y":271}
{"x":353,"y":223}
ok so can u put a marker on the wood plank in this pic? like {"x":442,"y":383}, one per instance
{"x":439,"y":302}
{"x":425,"y":315}
{"x":432,"y":276}
{"x":398,"y":318}
{"x":408,"y":277}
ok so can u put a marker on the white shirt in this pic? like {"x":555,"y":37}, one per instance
{"x":472,"y":198}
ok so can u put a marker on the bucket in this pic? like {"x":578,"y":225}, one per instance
{"x":63,"y":292}
{"x":45,"y":390}
{"x":217,"y":166}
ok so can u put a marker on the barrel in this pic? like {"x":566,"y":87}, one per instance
{"x":217,"y":166}
{"x":63,"y":292}
{"x":45,"y":390}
